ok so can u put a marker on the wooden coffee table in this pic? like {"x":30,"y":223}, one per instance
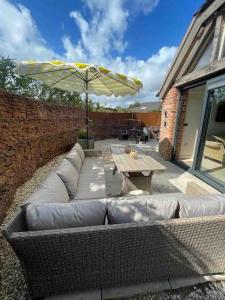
{"x":134,"y":170}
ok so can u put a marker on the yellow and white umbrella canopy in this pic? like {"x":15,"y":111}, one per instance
{"x":80,"y":78}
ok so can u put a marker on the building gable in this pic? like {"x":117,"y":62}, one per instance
{"x":203,"y":41}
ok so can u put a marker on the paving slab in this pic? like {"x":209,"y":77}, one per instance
{"x":181,"y":183}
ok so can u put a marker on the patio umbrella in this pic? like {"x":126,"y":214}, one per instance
{"x":80,"y":78}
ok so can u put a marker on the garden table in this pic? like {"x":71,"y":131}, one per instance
{"x":140,"y":169}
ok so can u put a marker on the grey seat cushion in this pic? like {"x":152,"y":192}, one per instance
{"x":91,"y":187}
{"x":141,"y":209}
{"x":79,"y":150}
{"x":92,"y":164}
{"x":69,"y":176}
{"x":75,"y":159}
{"x":52,"y":190}
{"x":200,"y":206}
{"x":44,"y":216}
{"x":91,"y":184}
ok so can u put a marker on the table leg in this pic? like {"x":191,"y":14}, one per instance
{"x":149,"y":179}
{"x":114,"y":170}
{"x":127,"y":184}
{"x":131,"y":183}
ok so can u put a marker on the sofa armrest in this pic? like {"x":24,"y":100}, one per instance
{"x":92,"y":153}
{"x":16,"y":224}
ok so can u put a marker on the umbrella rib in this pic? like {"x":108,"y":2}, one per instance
{"x":51,"y":71}
{"x":68,"y":69}
{"x":123,"y":83}
{"x":61,"y":79}
{"x":94,"y":77}
{"x":78,"y":74}
{"x":71,"y":74}
{"x":106,"y":86}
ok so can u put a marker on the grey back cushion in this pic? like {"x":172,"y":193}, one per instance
{"x":70,"y":176}
{"x":80,"y":151}
{"x":52,"y":190}
{"x":75,"y":159}
{"x":200,"y":206}
{"x":44,"y":216}
{"x":141,"y":210}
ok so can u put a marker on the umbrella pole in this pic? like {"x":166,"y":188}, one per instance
{"x":86,"y":105}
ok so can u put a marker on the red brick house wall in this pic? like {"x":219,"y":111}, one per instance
{"x":31,"y":134}
{"x":168,"y":122}
{"x":180,"y":128}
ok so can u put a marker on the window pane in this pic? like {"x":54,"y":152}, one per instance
{"x":205,"y":58}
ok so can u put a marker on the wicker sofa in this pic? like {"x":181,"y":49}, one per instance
{"x":66,"y":260}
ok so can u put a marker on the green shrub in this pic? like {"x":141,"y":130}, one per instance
{"x":82,"y":134}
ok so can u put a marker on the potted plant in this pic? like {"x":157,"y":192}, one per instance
{"x":82,"y":139}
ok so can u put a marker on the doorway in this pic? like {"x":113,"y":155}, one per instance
{"x":190,"y":123}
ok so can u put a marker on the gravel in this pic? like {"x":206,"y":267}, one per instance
{"x":12,"y":284}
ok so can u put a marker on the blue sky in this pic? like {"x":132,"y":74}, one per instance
{"x":135,"y":37}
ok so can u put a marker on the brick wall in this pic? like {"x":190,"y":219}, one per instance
{"x":168,"y":122}
{"x":31,"y":134}
{"x":107,"y":125}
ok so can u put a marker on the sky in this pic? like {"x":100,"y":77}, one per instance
{"x":136,"y":37}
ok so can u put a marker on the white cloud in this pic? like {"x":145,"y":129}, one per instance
{"x":104,"y":30}
{"x":19,"y":36}
{"x":151,"y":72}
{"x":72,"y":51}
{"x":101,"y":34}
{"x":146,"y":6}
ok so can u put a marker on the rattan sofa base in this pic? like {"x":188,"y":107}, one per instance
{"x":69,"y":260}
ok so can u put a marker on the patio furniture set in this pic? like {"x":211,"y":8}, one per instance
{"x":134,"y":170}
{"x":69,"y":237}
{"x":140,"y":134}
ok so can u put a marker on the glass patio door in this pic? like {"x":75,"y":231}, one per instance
{"x":210,"y":159}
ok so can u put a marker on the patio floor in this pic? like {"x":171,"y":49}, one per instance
{"x":172,"y":180}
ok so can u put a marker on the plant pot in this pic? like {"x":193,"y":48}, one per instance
{"x":83,"y":143}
